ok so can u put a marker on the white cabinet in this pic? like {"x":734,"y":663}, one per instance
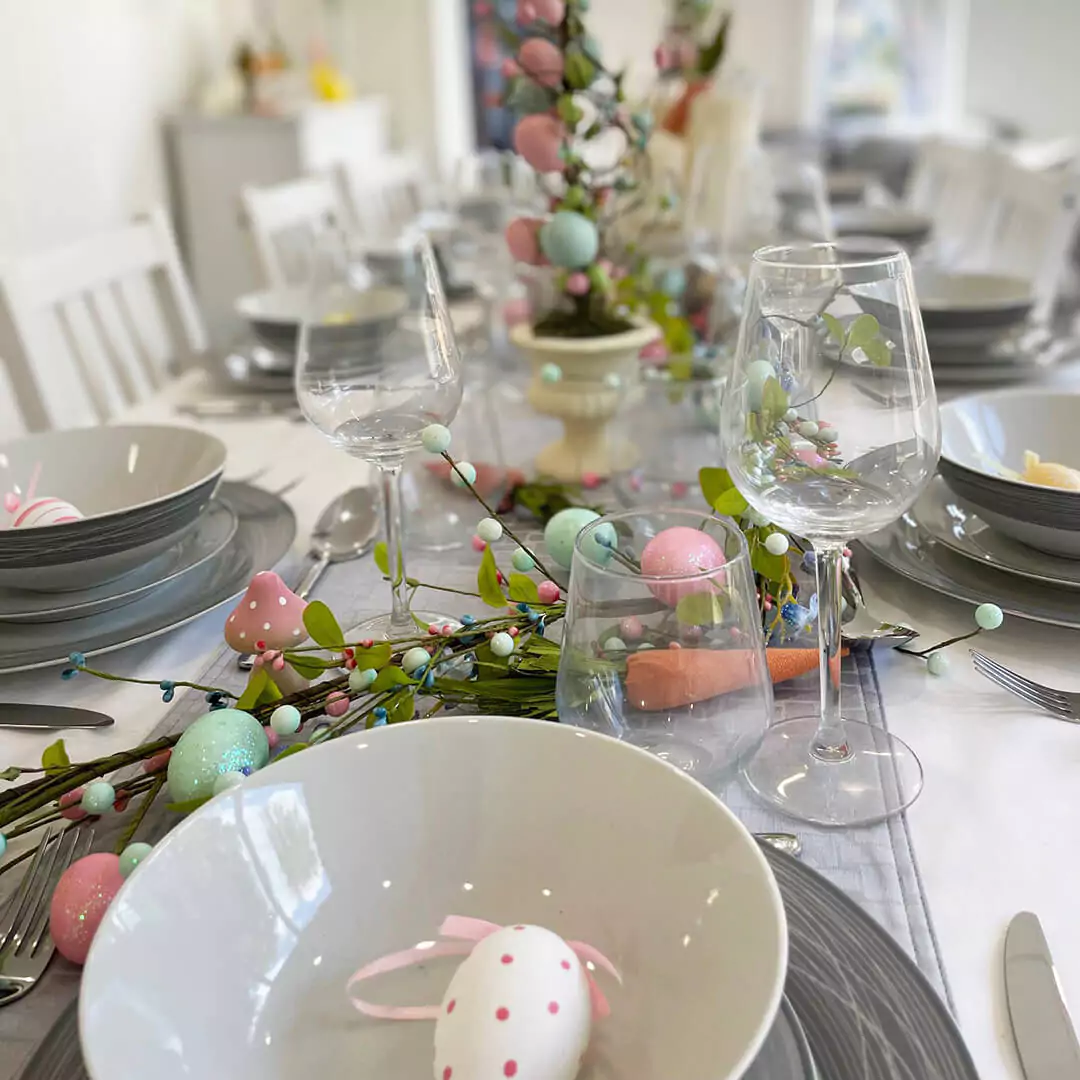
{"x":212,"y":158}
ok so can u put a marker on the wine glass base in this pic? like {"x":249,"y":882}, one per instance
{"x":380,"y":627}
{"x":879,"y":778}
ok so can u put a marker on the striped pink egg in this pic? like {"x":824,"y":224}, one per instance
{"x":45,"y":511}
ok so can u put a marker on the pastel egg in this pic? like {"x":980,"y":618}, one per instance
{"x":79,"y":901}
{"x":562,"y":530}
{"x":518,"y":1006}
{"x":224,"y":740}
{"x":570,"y":240}
{"x":45,"y":511}
{"x":523,"y":240}
{"x":541,"y":60}
{"x":539,"y":139}
{"x":681,"y":552}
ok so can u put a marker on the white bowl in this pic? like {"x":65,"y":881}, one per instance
{"x":227,"y":952}
{"x":968,"y":301}
{"x":113,"y":475}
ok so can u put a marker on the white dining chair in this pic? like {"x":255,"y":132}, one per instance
{"x":954,"y":184}
{"x":382,"y":194}
{"x":98,"y":324}
{"x":285,"y":220}
{"x":1030,"y":229}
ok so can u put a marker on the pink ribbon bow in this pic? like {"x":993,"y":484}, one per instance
{"x":466,"y":933}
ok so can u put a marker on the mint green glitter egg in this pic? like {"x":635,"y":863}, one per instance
{"x":225,"y":740}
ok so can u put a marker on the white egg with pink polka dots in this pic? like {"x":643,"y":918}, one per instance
{"x":518,"y":1006}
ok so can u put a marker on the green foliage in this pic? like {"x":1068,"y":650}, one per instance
{"x":270,"y":693}
{"x":714,"y":482}
{"x":382,"y":558}
{"x":571,"y":115}
{"x":710,"y":56}
{"x":731,"y":503}
{"x":836,"y":328}
{"x":389,"y":678}
{"x":523,"y":589}
{"x":55,"y":758}
{"x":290,"y":750}
{"x":377,"y":657}
{"x":487,"y":581}
{"x":400,"y":708}
{"x":878,"y":353}
{"x":579,"y":71}
{"x":700,"y":609}
{"x":771,"y":567}
{"x":256,"y":683}
{"x":308,"y":666}
{"x":191,"y":804}
{"x":774,"y":403}
{"x":862,"y":331}
{"x":12,"y":772}
{"x":322,"y":626}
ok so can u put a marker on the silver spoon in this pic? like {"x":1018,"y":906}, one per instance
{"x":346,"y":529}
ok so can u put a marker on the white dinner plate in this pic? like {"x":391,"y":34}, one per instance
{"x":210,"y":535}
{"x":265,"y":531}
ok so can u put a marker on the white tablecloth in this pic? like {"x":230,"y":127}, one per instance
{"x":992,"y":829}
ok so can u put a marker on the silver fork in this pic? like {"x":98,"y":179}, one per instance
{"x":1059,"y":703}
{"x":26,"y":946}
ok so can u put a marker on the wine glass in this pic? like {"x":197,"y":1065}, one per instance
{"x":377,"y":363}
{"x":830,"y":430}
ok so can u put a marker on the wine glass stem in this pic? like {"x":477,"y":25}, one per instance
{"x":401,"y":622}
{"x":829,"y":743}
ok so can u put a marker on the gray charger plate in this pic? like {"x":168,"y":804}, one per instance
{"x":211,"y":534}
{"x":867,"y":1010}
{"x":956,"y":524}
{"x":852,"y":994}
{"x":913,"y":553}
{"x":264,"y":534}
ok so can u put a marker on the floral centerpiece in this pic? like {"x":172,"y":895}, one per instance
{"x":582,"y":343}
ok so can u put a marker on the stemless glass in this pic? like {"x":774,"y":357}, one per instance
{"x":830,"y":429}
{"x":670,"y":659}
{"x":376,"y":364}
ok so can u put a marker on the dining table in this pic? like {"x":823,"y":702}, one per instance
{"x":991,"y":830}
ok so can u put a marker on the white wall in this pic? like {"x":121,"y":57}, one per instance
{"x":1023,"y":64}
{"x":83,"y":85}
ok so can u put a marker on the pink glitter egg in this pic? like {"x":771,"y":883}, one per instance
{"x":631,"y":628}
{"x":337,"y":704}
{"x":69,"y":805}
{"x":82,"y":896}
{"x":542,"y":61}
{"x":538,"y":139}
{"x":680,"y":552}
{"x":547,"y":592}
{"x":522,"y":238}
{"x":811,"y":458}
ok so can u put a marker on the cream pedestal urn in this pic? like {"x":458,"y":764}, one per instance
{"x":585,"y":398}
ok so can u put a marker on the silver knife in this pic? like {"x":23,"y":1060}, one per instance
{"x":49,"y":717}
{"x":1045,"y":1037}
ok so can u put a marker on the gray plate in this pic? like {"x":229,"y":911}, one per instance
{"x":913,"y":553}
{"x":265,"y":533}
{"x":867,"y":1010}
{"x":952,"y":522}
{"x":211,"y":534}
{"x":785,"y":1054}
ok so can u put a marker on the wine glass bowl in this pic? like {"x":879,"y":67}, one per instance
{"x":377,"y":363}
{"x":830,"y":430}
{"x":662,"y":643}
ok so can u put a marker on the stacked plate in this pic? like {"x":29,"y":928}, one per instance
{"x":982,"y":532}
{"x":111,"y":535}
{"x":978,"y":328}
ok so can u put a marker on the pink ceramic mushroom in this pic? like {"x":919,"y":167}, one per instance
{"x":269,"y":618}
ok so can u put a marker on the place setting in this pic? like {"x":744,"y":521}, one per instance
{"x":115,"y":535}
